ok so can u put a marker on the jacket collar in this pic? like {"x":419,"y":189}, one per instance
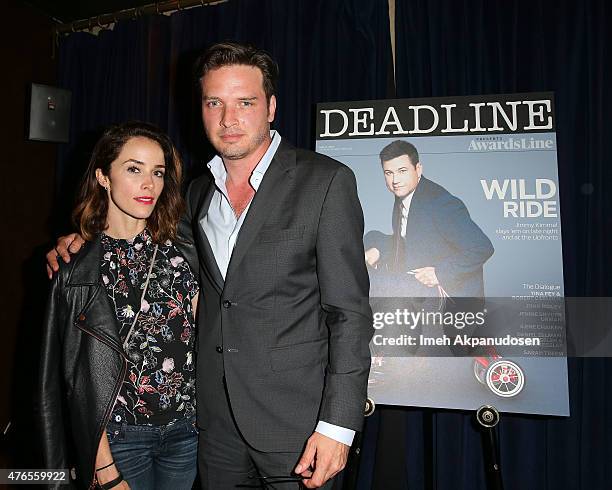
{"x":85,"y":270}
{"x":97,"y":317}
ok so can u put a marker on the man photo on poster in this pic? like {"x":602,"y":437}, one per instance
{"x":435,"y":249}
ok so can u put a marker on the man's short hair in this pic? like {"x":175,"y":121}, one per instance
{"x":398,"y":148}
{"x":233,"y":53}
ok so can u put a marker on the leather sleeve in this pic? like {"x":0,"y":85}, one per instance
{"x":185,"y":240}
{"x":344,"y":289}
{"x":51,"y":392}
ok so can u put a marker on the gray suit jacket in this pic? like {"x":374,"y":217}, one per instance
{"x":289,"y":328}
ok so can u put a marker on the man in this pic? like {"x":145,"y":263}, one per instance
{"x":284,"y":321}
{"x":435,"y":245}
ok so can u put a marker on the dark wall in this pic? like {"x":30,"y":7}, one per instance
{"x":26,"y":190}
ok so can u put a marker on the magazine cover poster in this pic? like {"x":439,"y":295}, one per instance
{"x":463,"y":247}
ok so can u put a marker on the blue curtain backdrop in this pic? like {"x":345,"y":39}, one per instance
{"x":327,"y":50}
{"x":339,"y":50}
{"x":470,"y":47}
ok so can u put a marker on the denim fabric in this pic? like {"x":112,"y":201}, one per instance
{"x":155,"y":457}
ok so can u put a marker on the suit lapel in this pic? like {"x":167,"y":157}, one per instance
{"x":264,"y":200}
{"x":211,"y":267}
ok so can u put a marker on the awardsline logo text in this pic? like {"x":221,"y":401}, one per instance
{"x":485,"y":144}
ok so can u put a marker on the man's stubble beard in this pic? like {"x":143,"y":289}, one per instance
{"x":237,"y":153}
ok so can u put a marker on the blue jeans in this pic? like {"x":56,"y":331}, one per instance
{"x":155,"y":457}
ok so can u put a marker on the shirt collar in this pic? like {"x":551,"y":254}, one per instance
{"x":407,"y":200}
{"x":217,"y":168}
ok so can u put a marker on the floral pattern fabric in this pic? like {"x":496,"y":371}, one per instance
{"x":160,"y":381}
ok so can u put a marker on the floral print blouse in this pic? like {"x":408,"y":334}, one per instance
{"x":159,"y":386}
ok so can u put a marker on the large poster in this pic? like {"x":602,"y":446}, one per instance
{"x":463,"y":247}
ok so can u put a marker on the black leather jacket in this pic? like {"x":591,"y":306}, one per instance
{"x":82,"y":365}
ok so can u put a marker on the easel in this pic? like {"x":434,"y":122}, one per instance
{"x":487,"y":417}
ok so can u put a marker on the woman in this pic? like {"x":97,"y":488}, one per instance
{"x":118,"y":379}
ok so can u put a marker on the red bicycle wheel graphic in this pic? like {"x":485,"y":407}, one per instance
{"x":505,"y":378}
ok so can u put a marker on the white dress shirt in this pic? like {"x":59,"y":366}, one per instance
{"x":222,"y":228}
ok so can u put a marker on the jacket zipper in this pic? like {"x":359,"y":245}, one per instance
{"x":113,"y":398}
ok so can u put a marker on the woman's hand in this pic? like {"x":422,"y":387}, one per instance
{"x":104,"y":460}
{"x":123,"y":485}
{"x":109,"y":474}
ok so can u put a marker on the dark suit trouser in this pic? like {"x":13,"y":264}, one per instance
{"x":226,"y":460}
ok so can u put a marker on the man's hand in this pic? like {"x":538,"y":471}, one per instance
{"x":371,"y":256}
{"x":323,"y":454}
{"x":63,"y":248}
{"x":427,"y":276}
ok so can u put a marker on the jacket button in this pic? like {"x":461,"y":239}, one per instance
{"x":219,"y":349}
{"x":227,"y":304}
{"x":81,"y":318}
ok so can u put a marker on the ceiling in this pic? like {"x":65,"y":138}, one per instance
{"x":70,"y":10}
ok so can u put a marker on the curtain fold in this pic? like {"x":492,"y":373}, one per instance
{"x":326,"y":49}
